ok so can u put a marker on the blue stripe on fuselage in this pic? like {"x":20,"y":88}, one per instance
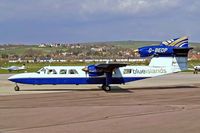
{"x":41,"y":81}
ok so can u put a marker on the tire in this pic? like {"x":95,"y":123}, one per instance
{"x":107,"y":88}
{"x":16,"y":88}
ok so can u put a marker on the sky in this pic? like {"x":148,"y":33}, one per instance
{"x":72,"y":21}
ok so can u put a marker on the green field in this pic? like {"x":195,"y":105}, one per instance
{"x":26,"y":49}
{"x":33,"y":67}
{"x":22,"y":50}
{"x":137,"y":44}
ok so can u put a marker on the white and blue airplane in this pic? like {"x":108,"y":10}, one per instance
{"x":14,"y":68}
{"x":168,"y":57}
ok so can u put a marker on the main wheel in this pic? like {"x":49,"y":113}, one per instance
{"x":107,"y":88}
{"x":16,"y":88}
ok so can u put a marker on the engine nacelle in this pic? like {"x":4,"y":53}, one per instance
{"x":172,"y":47}
{"x":162,"y":51}
{"x":92,"y":71}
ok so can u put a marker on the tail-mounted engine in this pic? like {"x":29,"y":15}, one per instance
{"x":173,"y":47}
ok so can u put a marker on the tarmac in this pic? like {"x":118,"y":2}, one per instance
{"x":167,"y":104}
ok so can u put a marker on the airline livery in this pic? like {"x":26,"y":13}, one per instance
{"x":168,"y":57}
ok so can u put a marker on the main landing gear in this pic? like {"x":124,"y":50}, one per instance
{"x":108,"y":81}
{"x":106,"y":87}
{"x":16,"y":88}
{"x":195,"y":71}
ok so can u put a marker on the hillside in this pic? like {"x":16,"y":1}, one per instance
{"x":21,"y":50}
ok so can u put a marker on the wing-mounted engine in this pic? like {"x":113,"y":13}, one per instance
{"x":92,"y":70}
{"x":101,"y":69}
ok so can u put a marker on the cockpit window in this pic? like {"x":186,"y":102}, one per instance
{"x":73,"y":71}
{"x":42,"y":71}
{"x":63,"y":71}
{"x":114,"y":72}
{"x":127,"y":71}
{"x":51,"y":71}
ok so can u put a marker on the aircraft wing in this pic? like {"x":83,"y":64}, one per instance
{"x":190,"y":68}
{"x":109,"y":67}
{"x":9,"y":68}
{"x":4,"y":68}
{"x":101,"y":69}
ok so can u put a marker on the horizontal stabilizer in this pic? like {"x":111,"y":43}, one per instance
{"x":174,"y":47}
{"x":181,"y":42}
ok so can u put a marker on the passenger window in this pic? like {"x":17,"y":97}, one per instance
{"x":63,"y":71}
{"x":127,"y":71}
{"x":73,"y":71}
{"x":51,"y":71}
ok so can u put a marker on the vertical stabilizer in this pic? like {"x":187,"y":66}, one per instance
{"x":175,"y":63}
{"x":171,"y":53}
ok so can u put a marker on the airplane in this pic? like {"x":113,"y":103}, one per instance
{"x":168,"y":57}
{"x":195,"y":69}
{"x":14,"y":68}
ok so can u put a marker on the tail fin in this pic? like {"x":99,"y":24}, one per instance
{"x":175,"y":64}
{"x":181,"y":42}
{"x":178,"y":61}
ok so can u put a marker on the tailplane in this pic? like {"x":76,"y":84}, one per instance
{"x":181,"y":42}
{"x":172,"y":54}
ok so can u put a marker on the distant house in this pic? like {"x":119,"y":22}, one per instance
{"x":48,"y":59}
{"x":25,"y":60}
{"x":118,"y":60}
{"x":45,"y":59}
{"x":97,"y":49}
{"x":194,"y":57}
{"x":59,"y":60}
{"x":42,"y":45}
{"x":14,"y":60}
{"x":67,"y":53}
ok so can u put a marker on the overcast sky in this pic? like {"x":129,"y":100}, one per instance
{"x":37,"y":21}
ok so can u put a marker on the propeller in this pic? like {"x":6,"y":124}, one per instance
{"x":85,"y":69}
{"x":136,"y":52}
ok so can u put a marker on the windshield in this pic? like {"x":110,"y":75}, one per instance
{"x":41,"y":71}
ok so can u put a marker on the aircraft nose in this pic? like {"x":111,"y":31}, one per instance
{"x":12,"y":78}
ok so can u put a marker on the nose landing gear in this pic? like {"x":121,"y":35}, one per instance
{"x":16,"y":88}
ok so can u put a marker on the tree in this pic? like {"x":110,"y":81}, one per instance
{"x":33,"y":53}
{"x":4,"y":56}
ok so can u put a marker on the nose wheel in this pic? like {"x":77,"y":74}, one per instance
{"x":16,"y":88}
{"x":106,"y":87}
